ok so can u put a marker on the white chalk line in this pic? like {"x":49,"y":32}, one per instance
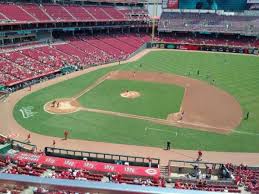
{"x":239,"y":132}
{"x":246,"y":133}
{"x":161,"y":130}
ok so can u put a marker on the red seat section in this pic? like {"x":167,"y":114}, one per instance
{"x":13,"y":12}
{"x":114,"y":13}
{"x":55,"y":12}
{"x":98,"y":13}
{"x":36,"y":11}
{"x":83,"y":51}
{"x":58,"y":12}
{"x":80,"y":13}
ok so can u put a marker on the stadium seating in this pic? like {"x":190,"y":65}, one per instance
{"x":114,"y":13}
{"x":36,"y":11}
{"x":58,"y":12}
{"x":17,"y":165}
{"x":14,"y":12}
{"x":209,"y":22}
{"x":84,"y":51}
{"x":80,"y":13}
{"x":203,"y":186}
{"x":14,"y":189}
{"x":244,"y":42}
{"x":247,"y":176}
{"x":54,"y":12}
{"x":98,"y":13}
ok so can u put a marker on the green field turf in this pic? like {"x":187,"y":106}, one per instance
{"x":106,"y":96}
{"x":238,"y":75}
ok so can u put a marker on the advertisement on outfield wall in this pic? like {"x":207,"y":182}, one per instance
{"x":207,"y":48}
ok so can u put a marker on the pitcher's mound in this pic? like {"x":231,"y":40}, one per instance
{"x":62,"y":106}
{"x":130,"y":94}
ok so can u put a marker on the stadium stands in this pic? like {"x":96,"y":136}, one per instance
{"x":15,"y":13}
{"x":55,"y":167}
{"x":57,"y":163}
{"x":83,"y":51}
{"x":38,"y":164}
{"x":245,"y":176}
{"x":34,"y":13}
{"x":204,"y":186}
{"x":207,"y":22}
{"x":230,"y":41}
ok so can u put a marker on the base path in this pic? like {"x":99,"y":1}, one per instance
{"x":9,"y":126}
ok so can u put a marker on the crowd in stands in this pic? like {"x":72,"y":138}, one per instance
{"x":77,"y":174}
{"x":230,"y":177}
{"x":19,"y":167}
{"x":230,"y":41}
{"x":34,"y":13}
{"x":245,"y":176}
{"x":33,"y":61}
{"x":208,"y":22}
{"x":204,"y":186}
{"x":12,"y":189}
{"x":83,"y":51}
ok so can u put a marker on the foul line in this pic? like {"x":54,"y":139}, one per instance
{"x":246,"y":133}
{"x":157,"y":129}
{"x":98,"y":82}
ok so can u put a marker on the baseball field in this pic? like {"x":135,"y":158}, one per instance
{"x":195,"y":100}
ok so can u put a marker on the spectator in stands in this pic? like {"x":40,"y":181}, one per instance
{"x":105,"y":179}
{"x":136,"y":181}
{"x":162,"y":182}
{"x":177,"y":185}
{"x":224,"y":172}
{"x":208,"y":172}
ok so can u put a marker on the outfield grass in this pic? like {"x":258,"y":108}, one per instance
{"x":236,"y":74}
{"x":106,"y":96}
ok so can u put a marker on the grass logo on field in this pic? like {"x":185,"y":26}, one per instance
{"x":27,"y":112}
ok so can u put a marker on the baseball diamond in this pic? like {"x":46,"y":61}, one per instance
{"x":201,"y":116}
{"x":129,"y":96}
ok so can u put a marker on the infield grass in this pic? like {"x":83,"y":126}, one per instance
{"x":156,"y":100}
{"x":236,"y":74}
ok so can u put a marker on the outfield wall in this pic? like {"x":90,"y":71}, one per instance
{"x":212,"y":48}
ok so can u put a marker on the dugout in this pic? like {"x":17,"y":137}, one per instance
{"x":102,"y":157}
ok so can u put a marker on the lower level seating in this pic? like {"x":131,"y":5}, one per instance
{"x":25,"y":63}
